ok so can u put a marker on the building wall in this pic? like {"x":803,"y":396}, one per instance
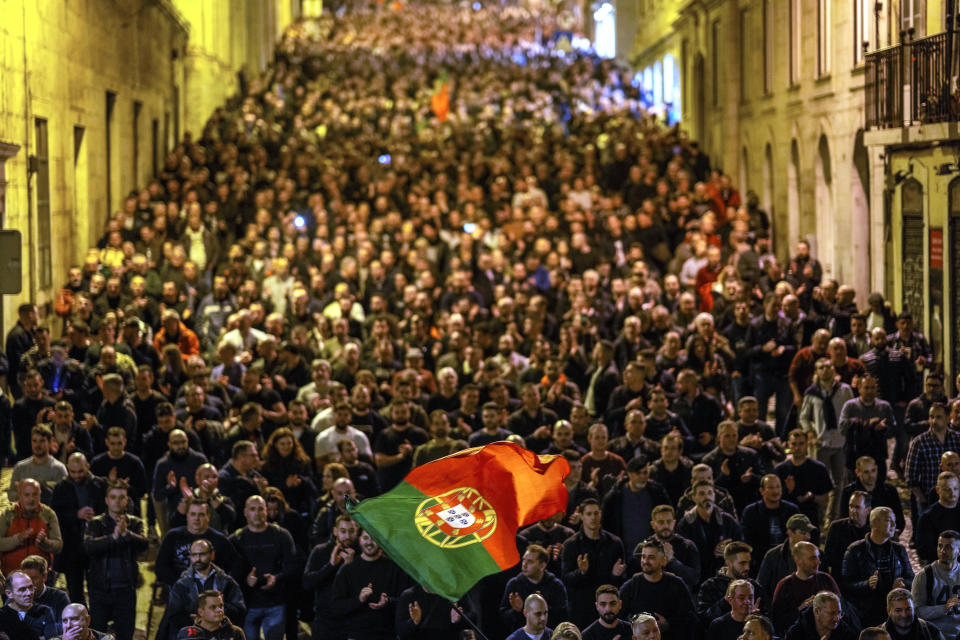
{"x":58,"y":60}
{"x":779,"y":120}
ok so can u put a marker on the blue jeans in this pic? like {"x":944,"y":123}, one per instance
{"x":270,"y":619}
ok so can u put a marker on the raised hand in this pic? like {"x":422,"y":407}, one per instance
{"x":252,"y":578}
{"x":619,"y":567}
{"x":516,"y":602}
{"x":381,"y":603}
{"x":416,"y":614}
{"x":366,"y":592}
{"x":583,"y":562}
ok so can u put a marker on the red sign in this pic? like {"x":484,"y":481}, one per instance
{"x":936,"y":248}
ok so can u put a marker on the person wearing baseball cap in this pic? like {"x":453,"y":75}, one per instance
{"x":778,"y":562}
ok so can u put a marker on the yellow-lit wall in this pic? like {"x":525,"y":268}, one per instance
{"x":59,"y":59}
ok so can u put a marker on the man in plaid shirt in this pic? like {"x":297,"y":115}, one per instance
{"x":923,"y":457}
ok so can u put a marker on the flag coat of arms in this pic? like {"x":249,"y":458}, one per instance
{"x":455,"y":520}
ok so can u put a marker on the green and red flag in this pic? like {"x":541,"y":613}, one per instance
{"x":455,"y":520}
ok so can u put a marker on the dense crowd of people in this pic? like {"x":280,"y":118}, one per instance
{"x":426,"y":228}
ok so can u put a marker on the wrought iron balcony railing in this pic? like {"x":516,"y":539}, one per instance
{"x":913,"y":83}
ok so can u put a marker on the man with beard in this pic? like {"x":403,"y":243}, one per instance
{"x":221,"y":509}
{"x":608,"y":626}
{"x":202,"y":575}
{"x":441,"y":444}
{"x":711,"y":600}
{"x":935,"y":588}
{"x":880,"y":492}
{"x":708,"y":527}
{"x":173,"y":556}
{"x":662,"y":594}
{"x":364,"y":593}
{"x":394,"y":447}
{"x":177,"y":468}
{"x":683,"y":559}
{"x":592,"y":557}
{"x":323,"y":563}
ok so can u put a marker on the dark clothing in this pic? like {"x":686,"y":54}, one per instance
{"x":597,"y":631}
{"x":812,"y":476}
{"x":173,"y":556}
{"x":227,"y":631}
{"x":388,"y":443}
{"x":740,"y":461}
{"x":841,"y":534}
{"x":883,"y":495}
{"x":365,"y":479}
{"x":806,"y":629}
{"x":546,"y":538}
{"x":862,"y":560}
{"x":932,"y":522}
{"x":360,"y":621}
{"x":54,"y":598}
{"x":549,"y":587}
{"x":318,"y":577}
{"x":707,"y":534}
{"x":184,"y":596}
{"x":114,"y":561}
{"x":268,"y":551}
{"x":919,"y":630}
{"x":777,"y":564}
{"x":435,"y":616}
{"x":37,"y":622}
{"x":129,"y":467}
{"x":602,"y":554}
{"x":182,"y":467}
{"x":67,"y":499}
{"x":236,"y":486}
{"x":724,"y":628}
{"x":626,"y":514}
{"x":669,"y":597}
{"x":765,"y":528}
{"x":711,"y":598}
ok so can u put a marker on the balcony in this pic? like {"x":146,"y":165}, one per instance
{"x":912,"y":83}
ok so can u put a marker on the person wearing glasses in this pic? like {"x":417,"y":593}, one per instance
{"x":823,"y":619}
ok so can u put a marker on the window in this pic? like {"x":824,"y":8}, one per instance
{"x":863,"y":29}
{"x":794,"y":42}
{"x":44,"y":242}
{"x":913,"y":18}
{"x":823,"y":37}
{"x":768,"y":61}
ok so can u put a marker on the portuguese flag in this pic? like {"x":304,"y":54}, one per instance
{"x":455,"y":520}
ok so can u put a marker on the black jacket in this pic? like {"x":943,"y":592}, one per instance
{"x":227,"y":631}
{"x":883,"y":495}
{"x":859,"y":563}
{"x":669,"y":597}
{"x":101,"y":548}
{"x":613,"y":505}
{"x":65,"y":502}
{"x":728,"y":529}
{"x":756,"y":527}
{"x":840,"y":536}
{"x":711,"y":600}
{"x":581,"y":586}
{"x":37,"y":622}
{"x":919,"y":630}
{"x":805,"y":629}
{"x":184,"y":596}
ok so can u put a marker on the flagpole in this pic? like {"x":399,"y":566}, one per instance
{"x":463,"y":615}
{"x":353,"y":502}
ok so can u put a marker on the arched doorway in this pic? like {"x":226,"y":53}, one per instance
{"x":824,"y":221}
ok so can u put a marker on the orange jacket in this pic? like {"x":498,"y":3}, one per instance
{"x":187,"y":342}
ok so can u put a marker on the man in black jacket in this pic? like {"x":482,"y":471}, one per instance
{"x":202,"y":576}
{"x":173,"y":556}
{"x":709,"y":528}
{"x":711,"y":600}
{"x":882,"y":493}
{"x":268,"y":558}
{"x":113,"y":541}
{"x":591,"y":558}
{"x":323,"y":563}
{"x":873,"y":566}
{"x":683,"y":559}
{"x":940,"y":516}
{"x":846,"y":531}
{"x":764,"y":522}
{"x":76,"y":499}
{"x":738,"y":469}
{"x":628,"y":506}
{"x":20,"y":618}
{"x":822,"y":619}
{"x":211,"y":621}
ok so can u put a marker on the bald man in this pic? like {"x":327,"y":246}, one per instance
{"x":535,"y":613}
{"x":28,"y":527}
